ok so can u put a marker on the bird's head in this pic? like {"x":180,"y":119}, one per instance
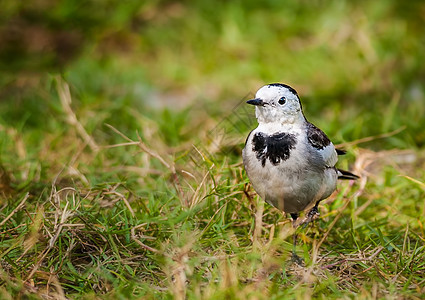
{"x":277,"y":102}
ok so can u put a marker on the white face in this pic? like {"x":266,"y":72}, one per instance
{"x":280,"y":104}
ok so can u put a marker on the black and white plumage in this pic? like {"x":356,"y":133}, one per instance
{"x":289,"y":161}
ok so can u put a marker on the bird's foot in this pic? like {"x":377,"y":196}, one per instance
{"x":297,"y":259}
{"x":312,"y":215}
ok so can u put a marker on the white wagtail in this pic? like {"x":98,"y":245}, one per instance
{"x":289,"y":161}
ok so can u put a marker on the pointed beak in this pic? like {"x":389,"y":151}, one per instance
{"x":256,"y":102}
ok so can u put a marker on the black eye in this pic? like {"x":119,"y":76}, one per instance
{"x":282,"y":100}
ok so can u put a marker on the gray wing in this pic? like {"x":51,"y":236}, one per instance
{"x":323,"y":145}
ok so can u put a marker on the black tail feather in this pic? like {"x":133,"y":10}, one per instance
{"x":340,"y":151}
{"x":342,"y":174}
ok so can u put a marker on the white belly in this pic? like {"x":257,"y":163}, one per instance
{"x":292,"y":185}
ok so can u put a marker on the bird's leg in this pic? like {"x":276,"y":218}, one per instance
{"x":294,"y":217}
{"x":309,"y":217}
{"x":313,"y":214}
{"x":295,"y":258}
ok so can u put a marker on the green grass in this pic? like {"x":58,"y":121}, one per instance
{"x":131,"y":185}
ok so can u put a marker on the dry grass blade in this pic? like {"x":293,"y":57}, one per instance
{"x":363,"y":181}
{"x":142,"y":146}
{"x":66,"y":99}
{"x":20,"y":205}
{"x":195,"y":199}
{"x":123,"y":198}
{"x":369,"y":258}
{"x":420,"y":183}
{"x":371,"y":138}
{"x":61,"y":216}
{"x":152,"y":153}
{"x":135,"y":238}
{"x":258,"y":221}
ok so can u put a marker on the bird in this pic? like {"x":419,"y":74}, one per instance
{"x":289,"y":161}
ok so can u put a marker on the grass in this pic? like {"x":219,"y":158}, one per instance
{"x":120,"y":154}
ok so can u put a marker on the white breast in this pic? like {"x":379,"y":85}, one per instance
{"x":293,"y":184}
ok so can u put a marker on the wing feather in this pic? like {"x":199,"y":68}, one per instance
{"x":319,"y":140}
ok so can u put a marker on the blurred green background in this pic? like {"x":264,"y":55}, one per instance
{"x":177,"y":73}
{"x":360,"y":62}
